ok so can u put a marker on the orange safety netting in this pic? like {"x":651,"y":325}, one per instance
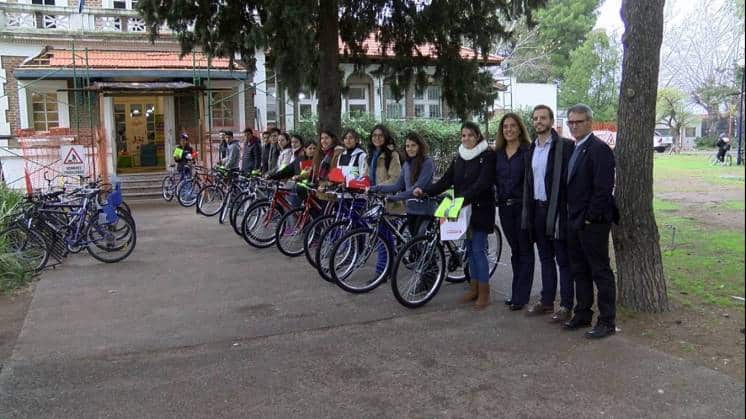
{"x":41,"y":154}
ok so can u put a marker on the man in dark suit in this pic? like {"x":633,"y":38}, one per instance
{"x":591,"y":210}
{"x":544,"y":215}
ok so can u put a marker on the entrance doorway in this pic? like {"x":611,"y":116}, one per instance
{"x":140,"y":134}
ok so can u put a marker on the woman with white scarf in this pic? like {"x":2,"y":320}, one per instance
{"x":472,"y":177}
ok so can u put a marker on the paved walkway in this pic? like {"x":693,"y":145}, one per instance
{"x":196,"y":324}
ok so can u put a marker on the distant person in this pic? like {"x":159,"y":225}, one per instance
{"x":723,"y":144}
{"x":233,"y":156}
{"x":252,"y":153}
{"x":223,"y":148}
{"x":183,"y":153}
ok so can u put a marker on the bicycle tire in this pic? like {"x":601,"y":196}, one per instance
{"x":240,"y":212}
{"x":207,"y":197}
{"x":494,"y":253}
{"x":413,"y":256}
{"x":253,"y":219}
{"x":187,"y":198}
{"x":326,"y":242}
{"x":128,"y":245}
{"x":168,"y":188}
{"x":357,"y":245}
{"x":312,"y":234}
{"x":22,"y":240}
{"x":283,"y":244}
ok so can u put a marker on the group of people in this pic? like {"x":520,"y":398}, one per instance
{"x":550,"y":192}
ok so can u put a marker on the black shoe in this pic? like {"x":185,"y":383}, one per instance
{"x":516,"y":307}
{"x":601,"y":330}
{"x":576,"y":323}
{"x":508,"y":302}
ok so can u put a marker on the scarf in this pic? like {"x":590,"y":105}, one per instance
{"x":373,"y":166}
{"x":467,"y":154}
{"x":325,"y":164}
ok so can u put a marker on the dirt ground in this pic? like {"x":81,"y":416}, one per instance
{"x":710,"y":336}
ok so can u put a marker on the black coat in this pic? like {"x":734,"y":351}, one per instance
{"x":473,"y":180}
{"x":590,"y":185}
{"x":556,"y":221}
{"x":252,"y":156}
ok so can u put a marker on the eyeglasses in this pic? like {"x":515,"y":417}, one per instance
{"x":578,"y":122}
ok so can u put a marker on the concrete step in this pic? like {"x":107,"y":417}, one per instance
{"x":141,"y":189}
{"x":138,"y":196}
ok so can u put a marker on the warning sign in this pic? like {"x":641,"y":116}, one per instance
{"x":73,"y":163}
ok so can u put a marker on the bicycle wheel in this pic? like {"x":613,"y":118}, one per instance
{"x":714,"y":159}
{"x":458,"y":265}
{"x":239,"y":212}
{"x":312,"y":234}
{"x":360,"y":261}
{"x":227,"y":203}
{"x":107,"y":244}
{"x":327,"y":239}
{"x":168,"y":188}
{"x":259,"y":225}
{"x":234,"y":211}
{"x":728,"y":160}
{"x":290,"y":232}
{"x":210,"y":200}
{"x":418,"y":272}
{"x":187,"y":191}
{"x":26,"y":246}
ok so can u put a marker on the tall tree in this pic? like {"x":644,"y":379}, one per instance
{"x":302,"y":38}
{"x":670,"y":108}
{"x":593,"y":76}
{"x":641,"y":282}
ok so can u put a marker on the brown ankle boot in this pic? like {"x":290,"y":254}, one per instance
{"x":483,"y":300}
{"x":470,"y":295}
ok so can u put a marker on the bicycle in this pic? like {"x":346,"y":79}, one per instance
{"x":259,"y":225}
{"x":727,"y":159}
{"x":350,"y":263}
{"x":293,"y":223}
{"x":172,"y":179}
{"x":422,"y":266}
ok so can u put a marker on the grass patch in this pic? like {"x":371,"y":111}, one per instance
{"x":664,"y":205}
{"x":705,"y":264}
{"x":695,"y":166}
{"x":734,"y":205}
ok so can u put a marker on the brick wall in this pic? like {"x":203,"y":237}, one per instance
{"x":10,"y":86}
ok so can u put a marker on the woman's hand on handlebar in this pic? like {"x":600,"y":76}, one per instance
{"x":418,"y":192}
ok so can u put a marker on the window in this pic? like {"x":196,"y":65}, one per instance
{"x":222,"y":108}
{"x":664,"y":132}
{"x":357,"y":99}
{"x":690,"y":132}
{"x":43,"y":2}
{"x":44,"y":110}
{"x":427,"y":103}
{"x":124,"y":4}
{"x":395,"y":109}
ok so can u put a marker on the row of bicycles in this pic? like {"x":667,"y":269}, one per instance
{"x":348,"y":237}
{"x":49,"y":225}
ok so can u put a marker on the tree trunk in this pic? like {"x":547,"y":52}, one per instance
{"x":330,"y":87}
{"x":641,"y":283}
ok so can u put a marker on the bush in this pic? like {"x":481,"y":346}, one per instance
{"x":706,"y":142}
{"x":12,"y":274}
{"x":442,"y":136}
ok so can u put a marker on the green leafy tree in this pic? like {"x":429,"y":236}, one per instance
{"x":670,"y":107}
{"x":593,"y":77}
{"x":302,"y":38}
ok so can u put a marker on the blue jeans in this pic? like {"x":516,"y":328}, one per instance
{"x":476,"y":253}
{"x":382,"y":255}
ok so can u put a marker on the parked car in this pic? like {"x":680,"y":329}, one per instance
{"x":661,"y":143}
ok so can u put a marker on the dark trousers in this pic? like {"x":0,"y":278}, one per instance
{"x":552,"y":255}
{"x":589,"y":260}
{"x":522,"y":253}
{"x":417,"y":224}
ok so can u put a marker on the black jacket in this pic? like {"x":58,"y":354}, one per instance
{"x":556,"y":223}
{"x":590,"y":185}
{"x":252,"y":156}
{"x":474,"y":180}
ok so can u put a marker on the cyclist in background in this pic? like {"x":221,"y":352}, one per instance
{"x":183,"y":153}
{"x":723,"y":145}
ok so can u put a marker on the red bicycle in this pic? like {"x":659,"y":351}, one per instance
{"x":292,"y":225}
{"x":262,"y":217}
